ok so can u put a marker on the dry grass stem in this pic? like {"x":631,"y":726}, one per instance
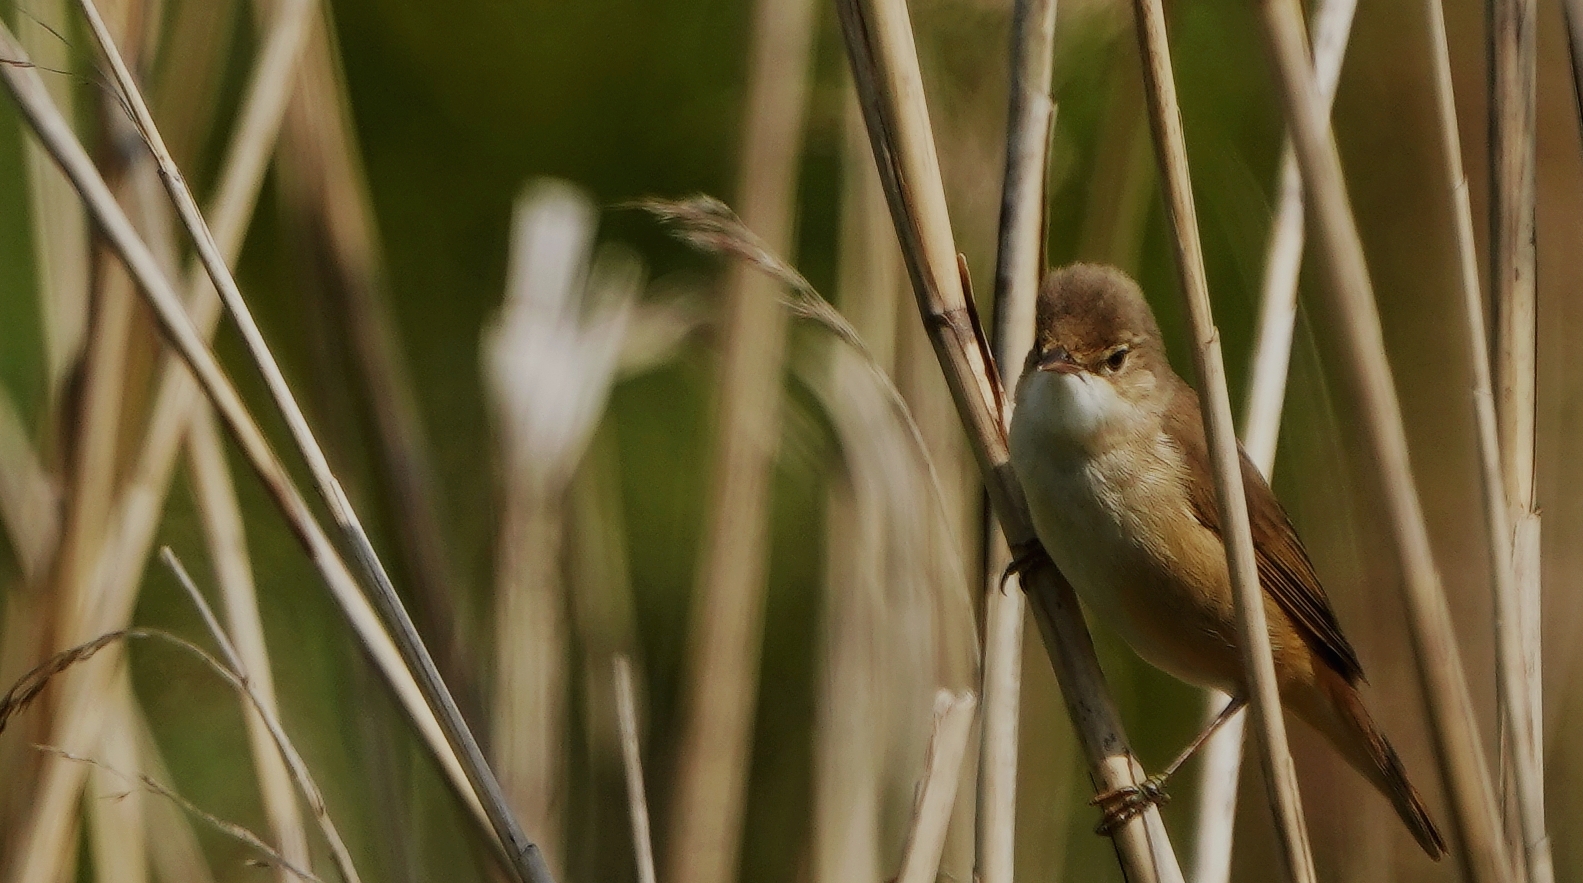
{"x":525,"y":860}
{"x":26,"y":87}
{"x":953,"y":720}
{"x":1220,"y":759}
{"x":1030,"y":122}
{"x":1476,"y":831}
{"x":725,"y":633}
{"x":550,"y":360}
{"x":1513,"y":161}
{"x":632,"y":762}
{"x":227,"y":543}
{"x":242,"y":679}
{"x":885,"y":67}
{"x":28,"y":497}
{"x":1258,"y":661}
{"x":117,"y":820}
{"x":229,"y":829}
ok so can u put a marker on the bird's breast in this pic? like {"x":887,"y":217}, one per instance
{"x":1117,"y":520}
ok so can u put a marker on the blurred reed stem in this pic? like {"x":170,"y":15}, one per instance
{"x":525,"y":861}
{"x":725,"y":631}
{"x":884,"y":65}
{"x":1258,"y":661}
{"x":953,"y":723}
{"x":173,"y":846}
{"x":632,"y":762}
{"x":1356,"y":331}
{"x":858,"y":693}
{"x":1221,"y":757}
{"x":1019,"y":263}
{"x":226,"y":538}
{"x":1513,"y":101}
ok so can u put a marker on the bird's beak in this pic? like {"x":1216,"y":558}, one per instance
{"x":1060,"y":361}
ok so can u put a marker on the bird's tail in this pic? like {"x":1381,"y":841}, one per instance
{"x":1367,"y":749}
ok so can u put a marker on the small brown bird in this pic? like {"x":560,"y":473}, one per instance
{"x":1109,"y":446}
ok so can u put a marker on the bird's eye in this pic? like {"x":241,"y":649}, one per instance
{"x":1115,"y":360}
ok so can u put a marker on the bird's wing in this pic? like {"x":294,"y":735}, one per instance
{"x":1284,"y":569}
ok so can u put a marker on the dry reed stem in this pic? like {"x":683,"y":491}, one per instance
{"x":29,"y":500}
{"x":240,"y":678}
{"x":953,"y":721}
{"x":1476,"y":832}
{"x":1513,"y":100}
{"x":885,"y":68}
{"x":1220,"y":759}
{"x":217,"y":505}
{"x":324,"y":185}
{"x":1258,"y":661}
{"x":1030,"y":122}
{"x":1573,"y":13}
{"x":58,"y":225}
{"x":173,"y":848}
{"x":550,"y":359}
{"x":117,"y":821}
{"x":229,"y":829}
{"x":25,"y":86}
{"x":525,"y":861}
{"x":632,"y":762}
{"x":726,"y":629}
{"x":859,"y":682}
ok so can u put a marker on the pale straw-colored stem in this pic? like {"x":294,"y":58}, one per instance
{"x":953,"y":721}
{"x":1258,"y":661}
{"x":1220,"y":759}
{"x":1475,"y":835}
{"x":1030,"y":121}
{"x":884,"y":65}
{"x":235,"y":672}
{"x":25,"y":86}
{"x":28,"y":497}
{"x":173,"y":848}
{"x":1513,"y":100}
{"x":726,"y":629}
{"x":632,"y":762}
{"x":225,"y":536}
{"x":526,"y":863}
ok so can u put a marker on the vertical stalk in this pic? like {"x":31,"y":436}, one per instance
{"x":1513,"y":103}
{"x":1258,"y":661}
{"x":1030,"y":121}
{"x":1221,"y":757}
{"x":726,"y":631}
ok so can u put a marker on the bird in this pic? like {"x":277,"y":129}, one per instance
{"x":1108,"y":444}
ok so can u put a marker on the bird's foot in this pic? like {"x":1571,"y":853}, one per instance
{"x":1120,"y":805}
{"x":1025,"y":556}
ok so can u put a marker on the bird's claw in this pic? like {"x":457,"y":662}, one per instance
{"x":1120,"y":805}
{"x":1025,"y":556}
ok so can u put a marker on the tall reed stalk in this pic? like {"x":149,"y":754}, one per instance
{"x":1030,"y":122}
{"x":1221,"y":757}
{"x":1513,"y":135}
{"x":726,"y":628}
{"x":1258,"y":661}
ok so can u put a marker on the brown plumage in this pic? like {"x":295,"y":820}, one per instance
{"x":1109,"y":445}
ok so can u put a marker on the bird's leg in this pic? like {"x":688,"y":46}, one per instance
{"x":1025,"y":556}
{"x":1121,"y":804}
